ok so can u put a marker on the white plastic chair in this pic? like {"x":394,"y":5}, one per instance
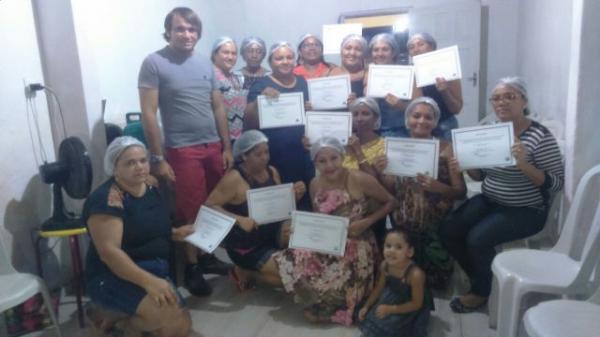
{"x":560,"y":318}
{"x":556,"y":271}
{"x":16,"y":288}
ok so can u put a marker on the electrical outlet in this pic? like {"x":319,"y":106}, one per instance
{"x":29,"y":94}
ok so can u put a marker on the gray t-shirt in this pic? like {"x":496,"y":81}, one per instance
{"x":185,"y":86}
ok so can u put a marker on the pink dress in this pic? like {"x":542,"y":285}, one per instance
{"x":330,"y":286}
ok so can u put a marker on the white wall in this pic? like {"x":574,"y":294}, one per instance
{"x":24,"y":199}
{"x":119,"y":47}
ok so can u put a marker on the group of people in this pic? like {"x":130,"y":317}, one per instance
{"x":214,"y":152}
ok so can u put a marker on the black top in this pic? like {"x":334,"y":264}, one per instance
{"x":357,"y":87}
{"x":146,"y":224}
{"x":431,"y":91}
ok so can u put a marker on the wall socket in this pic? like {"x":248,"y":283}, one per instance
{"x":29,"y":94}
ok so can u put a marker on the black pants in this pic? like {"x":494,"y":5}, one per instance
{"x":472,"y":231}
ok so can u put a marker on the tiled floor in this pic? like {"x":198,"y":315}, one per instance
{"x":265,"y":312}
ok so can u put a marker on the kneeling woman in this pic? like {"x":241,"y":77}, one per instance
{"x":126,"y":267}
{"x":249,"y":246}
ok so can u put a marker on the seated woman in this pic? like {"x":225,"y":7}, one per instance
{"x":383,"y":49}
{"x":330,"y":287}
{"x":286,"y":149}
{"x":253,"y":51}
{"x":249,"y":246}
{"x":515,"y":199}
{"x":311,"y":63}
{"x":424,"y":201}
{"x":447,"y":94}
{"x":126,"y":267}
{"x":224,"y":57}
{"x":353,"y":51}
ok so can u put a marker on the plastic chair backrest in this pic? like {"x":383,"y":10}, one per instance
{"x":6,"y":266}
{"x":572,"y":223}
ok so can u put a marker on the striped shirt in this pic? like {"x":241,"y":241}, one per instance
{"x":510,"y":187}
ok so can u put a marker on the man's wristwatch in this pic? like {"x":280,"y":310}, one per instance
{"x":156,"y":158}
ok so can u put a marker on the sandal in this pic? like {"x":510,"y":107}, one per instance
{"x":458,"y":307}
{"x":240,"y":285}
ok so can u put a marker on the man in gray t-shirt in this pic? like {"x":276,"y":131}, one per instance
{"x":181,"y":83}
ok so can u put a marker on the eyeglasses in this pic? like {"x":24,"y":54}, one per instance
{"x":311,"y":45}
{"x":509,"y":97}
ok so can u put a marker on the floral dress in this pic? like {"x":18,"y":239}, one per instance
{"x":234,"y":101}
{"x":420,"y":213}
{"x":330,"y":286}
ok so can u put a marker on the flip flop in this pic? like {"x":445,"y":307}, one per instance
{"x":458,"y":307}
{"x":240,"y":285}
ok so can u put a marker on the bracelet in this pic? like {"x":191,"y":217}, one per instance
{"x":363,"y":161}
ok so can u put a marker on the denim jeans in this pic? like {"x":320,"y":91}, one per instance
{"x":473,"y":230}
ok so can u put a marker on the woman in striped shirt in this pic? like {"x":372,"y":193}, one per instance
{"x":515,"y":199}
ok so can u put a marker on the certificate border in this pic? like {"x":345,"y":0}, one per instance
{"x":219,"y":215}
{"x":343,"y":238}
{"x":511,"y":141}
{"x":330,"y":78}
{"x":453,"y":49}
{"x":260,"y":98}
{"x":329,"y":113}
{"x":393,"y":66}
{"x":435,"y":142}
{"x":274,"y":187}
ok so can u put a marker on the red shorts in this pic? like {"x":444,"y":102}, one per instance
{"x":198,"y":169}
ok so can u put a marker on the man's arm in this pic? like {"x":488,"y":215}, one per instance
{"x":149,"y":104}
{"x":222,"y":127}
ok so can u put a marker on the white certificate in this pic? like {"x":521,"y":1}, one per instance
{"x":439,"y":63}
{"x":334,"y":34}
{"x":329,"y":92}
{"x":409,"y":156}
{"x":484,"y":146}
{"x":390,"y":79}
{"x":319,"y":232}
{"x":285,"y":110}
{"x":210,"y":227}
{"x":333,"y":124}
{"x":271,"y":204}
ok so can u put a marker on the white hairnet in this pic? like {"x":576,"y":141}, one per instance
{"x":326,"y":142}
{"x":372,"y":105}
{"x":114,"y":150}
{"x":423,"y":100}
{"x":247,"y":140}
{"x":219,"y":42}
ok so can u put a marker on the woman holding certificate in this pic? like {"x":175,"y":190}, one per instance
{"x":514,"y":201}
{"x":383,"y":50}
{"x":423,"y":200}
{"x":286,"y":150}
{"x":127,"y":269}
{"x":248,"y":244}
{"x":447,"y":94}
{"x":330,"y":287}
{"x":311,"y":63}
{"x":224,"y":56}
{"x":353,"y":52}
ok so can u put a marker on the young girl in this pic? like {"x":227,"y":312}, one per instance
{"x":397,"y":305}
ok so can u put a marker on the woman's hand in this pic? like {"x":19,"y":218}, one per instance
{"x":519,"y":151}
{"x":161,"y":291}
{"x":453,"y":166}
{"x":247,"y":224}
{"x":392,"y":100}
{"x":441,"y":84}
{"x":299,"y":189}
{"x":429,"y":184}
{"x":180,"y":233}
{"x":351,"y":98}
{"x":307,"y":106}
{"x":383,"y":310}
{"x":357,"y":227}
{"x":354,"y":146}
{"x":270,"y":92}
{"x":362,"y":313}
{"x":380,"y":163}
{"x":306,"y":143}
